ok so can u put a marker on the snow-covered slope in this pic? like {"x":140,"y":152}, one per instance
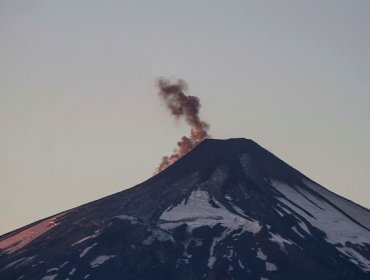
{"x":341,"y":229}
{"x":227,"y":210}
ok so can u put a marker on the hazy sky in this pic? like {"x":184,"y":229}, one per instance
{"x":80,"y":117}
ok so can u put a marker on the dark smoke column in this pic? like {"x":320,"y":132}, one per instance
{"x":186,"y":106}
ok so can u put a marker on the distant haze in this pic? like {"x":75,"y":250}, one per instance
{"x":80,"y":116}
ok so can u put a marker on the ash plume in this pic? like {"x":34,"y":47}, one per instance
{"x":182,"y":106}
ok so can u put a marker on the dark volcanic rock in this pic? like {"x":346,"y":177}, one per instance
{"x":228,"y":210}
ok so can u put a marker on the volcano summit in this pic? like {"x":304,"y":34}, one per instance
{"x":229,"y":209}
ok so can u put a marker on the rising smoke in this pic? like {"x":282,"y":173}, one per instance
{"x":182,"y":106}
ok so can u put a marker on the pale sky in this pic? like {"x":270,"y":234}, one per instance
{"x":80,"y":117}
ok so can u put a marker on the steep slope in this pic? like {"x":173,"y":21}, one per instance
{"x":227,"y":210}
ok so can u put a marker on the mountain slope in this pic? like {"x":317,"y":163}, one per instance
{"x":228,"y":210}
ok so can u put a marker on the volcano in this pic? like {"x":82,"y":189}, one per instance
{"x":229,"y":209}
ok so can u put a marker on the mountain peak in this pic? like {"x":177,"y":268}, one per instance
{"x":237,"y":154}
{"x":229,"y":209}
{"x":230,"y":141}
{"x":231,"y":145}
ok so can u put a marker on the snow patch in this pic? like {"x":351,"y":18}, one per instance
{"x":261,"y":255}
{"x":159,"y":235}
{"x":356,"y":258}
{"x":14,"y":263}
{"x":212,"y":258}
{"x":297,"y":232}
{"x":230,"y":255}
{"x":303,"y":226}
{"x":337,"y":227}
{"x":281,"y":214}
{"x":356,"y":212}
{"x":82,"y":240}
{"x":96,"y":234}
{"x":131,"y":219}
{"x":241,"y":264}
{"x":72,"y":271}
{"x":197,"y":211}
{"x":279,"y":240}
{"x":49,"y":277}
{"x":100,"y":260}
{"x":86,"y":250}
{"x":271,"y":267}
{"x":20,"y":262}
{"x":63,"y":265}
{"x":238,"y":210}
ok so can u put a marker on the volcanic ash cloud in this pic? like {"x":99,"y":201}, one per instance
{"x":183,"y":106}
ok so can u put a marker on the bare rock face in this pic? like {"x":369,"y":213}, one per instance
{"x":228,"y":210}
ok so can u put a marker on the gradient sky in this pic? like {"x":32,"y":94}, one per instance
{"x":80,"y":117}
